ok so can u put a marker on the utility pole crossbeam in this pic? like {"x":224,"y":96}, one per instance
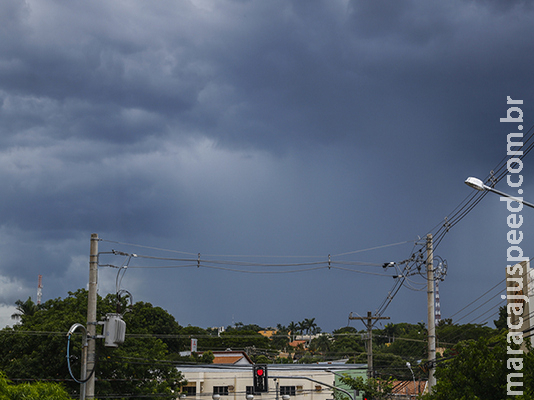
{"x":369,"y":325}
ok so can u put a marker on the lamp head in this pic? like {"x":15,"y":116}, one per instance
{"x":475,"y":183}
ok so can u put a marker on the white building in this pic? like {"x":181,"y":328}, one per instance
{"x":234,"y":382}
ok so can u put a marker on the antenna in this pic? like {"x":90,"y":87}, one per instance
{"x":40,"y":289}
{"x":438,"y":304}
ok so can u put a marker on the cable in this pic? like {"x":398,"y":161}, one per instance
{"x":478,"y":298}
{"x":251,"y":256}
{"x":225,"y":265}
{"x":71,"y":331}
{"x":483,"y":304}
{"x":467,"y":205}
{"x":372,"y":248}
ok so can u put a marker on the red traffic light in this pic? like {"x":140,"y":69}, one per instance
{"x":260,"y":379}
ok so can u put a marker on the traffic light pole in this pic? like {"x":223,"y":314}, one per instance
{"x":369,"y":325}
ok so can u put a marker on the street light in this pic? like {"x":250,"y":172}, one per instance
{"x":477,"y":184}
{"x":410,"y":368}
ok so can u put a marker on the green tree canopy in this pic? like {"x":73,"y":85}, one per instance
{"x":479,"y":369}
{"x":37,"y":347}
{"x":25,"y":309}
{"x":33,"y":391}
{"x":373,"y":389}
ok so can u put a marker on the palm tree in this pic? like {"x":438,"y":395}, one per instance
{"x":309,"y":325}
{"x":25,"y":308}
{"x":293,"y":329}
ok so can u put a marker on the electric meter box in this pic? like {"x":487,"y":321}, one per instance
{"x":114,"y":330}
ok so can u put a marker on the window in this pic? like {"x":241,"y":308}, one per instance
{"x":288,"y":390}
{"x":250,"y":390}
{"x":189,"y":390}
{"x":222,"y":390}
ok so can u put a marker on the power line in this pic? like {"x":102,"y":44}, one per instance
{"x":256,"y":256}
{"x":467,"y":205}
{"x":240,"y":266}
{"x":478,"y":298}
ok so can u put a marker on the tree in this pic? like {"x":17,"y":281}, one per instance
{"x":34,"y":391}
{"x":294,"y":329}
{"x":322,"y":344}
{"x":145,"y":318}
{"x":501,"y":322}
{"x":25,"y":308}
{"x":478,"y":370}
{"x":373,"y":389}
{"x":308,"y":326}
{"x":244,"y":338}
{"x":280,"y":341}
{"x":347,"y":342}
{"x":140,"y":366}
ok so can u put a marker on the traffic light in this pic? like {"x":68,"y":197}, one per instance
{"x":260,"y":378}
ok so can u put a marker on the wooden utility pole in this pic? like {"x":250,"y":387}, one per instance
{"x":91,"y":316}
{"x":431,"y":312}
{"x":368,"y":322}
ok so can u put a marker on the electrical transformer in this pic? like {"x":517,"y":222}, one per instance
{"x":114,"y":330}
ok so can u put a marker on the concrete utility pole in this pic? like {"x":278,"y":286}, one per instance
{"x":91,"y":315}
{"x":431,"y":311}
{"x":369,"y":325}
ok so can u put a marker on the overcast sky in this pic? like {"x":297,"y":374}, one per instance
{"x":268,"y":132}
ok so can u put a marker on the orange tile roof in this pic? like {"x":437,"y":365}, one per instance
{"x":297,"y":343}
{"x":408,"y":387}
{"x":227,"y":359}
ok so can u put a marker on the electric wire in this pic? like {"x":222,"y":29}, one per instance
{"x":480,"y":306}
{"x":80,"y":381}
{"x":251,"y":256}
{"x":467,"y":205}
{"x":439,"y":232}
{"x":478,"y":298}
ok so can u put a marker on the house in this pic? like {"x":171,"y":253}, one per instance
{"x":268,"y":333}
{"x":297,"y":343}
{"x":235,"y":382}
{"x":231,"y":357}
{"x":408,"y":389}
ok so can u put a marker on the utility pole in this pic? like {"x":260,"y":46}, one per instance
{"x":369,"y":325}
{"x":431,"y":312}
{"x":91,"y":315}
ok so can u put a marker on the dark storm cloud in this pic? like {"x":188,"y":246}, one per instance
{"x":252,"y":127}
{"x":319,"y":71}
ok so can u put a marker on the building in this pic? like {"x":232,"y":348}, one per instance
{"x":407,"y":390}
{"x":234,"y":381}
{"x":520,"y":296}
{"x":268,"y":333}
{"x":231,"y":358}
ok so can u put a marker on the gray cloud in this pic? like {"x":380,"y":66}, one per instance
{"x":241,"y":127}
